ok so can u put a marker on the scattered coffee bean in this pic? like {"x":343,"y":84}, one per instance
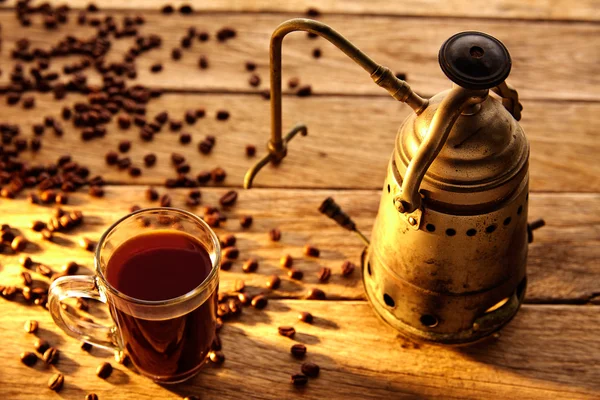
{"x":316,"y":53}
{"x":96,"y":191}
{"x":18,"y":243}
{"x":218,"y":174}
{"x":149,"y":159}
{"x":47,"y":234}
{"x":151,"y":194}
{"x":91,"y":396}
{"x":246,"y":221}
{"x":259,"y":302}
{"x":310,"y":369}
{"x":239,"y":285}
{"x":287,"y":331}
{"x":177,"y":159}
{"x":156,"y":68}
{"x":226,"y":265}
{"x":61,"y":198}
{"x":50,"y":355}
{"x":250,"y":66}
{"x":293,"y":83}
{"x":26,"y":278}
{"x":203,"y":36}
{"x":31,"y":325}
{"x":176,"y":54}
{"x":304,"y":91}
{"x":167,"y":9}
{"x":222,"y":115}
{"x":298,"y":350}
{"x":228,"y":240}
{"x":347,"y":268}
{"x":286,"y":261}
{"x":305,"y":317}
{"x":311,"y":251}
{"x":87,"y":244}
{"x":135,"y":171}
{"x":111,"y":158}
{"x":41,"y":345}
{"x":104,"y":370}
{"x":254,"y":80}
{"x":251,"y":265}
{"x":26,"y":261}
{"x":295,"y":274}
{"x":28,"y":358}
{"x":122,"y":358}
{"x":225,"y":34}
{"x":324,"y":274}
{"x":273,"y":282}
{"x":124,"y":146}
{"x":217,"y":357}
{"x":299,"y":380}
{"x":315,"y":294}
{"x":250,"y":150}
{"x":229,"y":198}
{"x":85,"y":346}
{"x":245,"y":298}
{"x":56,"y":382}
{"x":165,"y":200}
{"x":230,"y":253}
{"x":185,"y":138}
{"x":203,"y":62}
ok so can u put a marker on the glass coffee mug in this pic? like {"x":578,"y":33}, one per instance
{"x":167,"y":339}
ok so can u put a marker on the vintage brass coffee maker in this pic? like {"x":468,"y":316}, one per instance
{"x":447,"y":256}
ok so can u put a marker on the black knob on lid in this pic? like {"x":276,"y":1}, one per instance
{"x":475,"y":60}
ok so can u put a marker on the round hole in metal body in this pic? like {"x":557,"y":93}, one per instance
{"x":388,"y":300}
{"x":388,"y":188}
{"x":471,"y":232}
{"x":490,"y":228}
{"x":507,"y":221}
{"x":369,"y":268}
{"x":430,"y":227}
{"x":519,"y":210}
{"x":476,"y":52}
{"x":450,"y":232}
{"x":428,"y":320}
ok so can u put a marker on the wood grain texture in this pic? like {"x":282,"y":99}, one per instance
{"x":531,"y":9}
{"x":408,"y":45}
{"x":563,"y":261}
{"x":348,"y":146}
{"x":546,"y":352}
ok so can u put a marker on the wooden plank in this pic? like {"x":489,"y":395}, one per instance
{"x":359,"y":356}
{"x":563,"y":261}
{"x":546,"y":56}
{"x":349,"y":143}
{"x":536,"y":10}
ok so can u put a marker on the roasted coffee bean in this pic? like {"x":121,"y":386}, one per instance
{"x":212,"y":220}
{"x":87,"y":244}
{"x":275,"y":235}
{"x":96,"y":191}
{"x":298,"y":350}
{"x":192,"y":202}
{"x":124,"y":146}
{"x":226,"y":265}
{"x":151,"y":194}
{"x":200,"y":113}
{"x":33,"y":198}
{"x":50,"y":355}
{"x":203,"y":177}
{"x":167,"y":9}
{"x":66,"y":113}
{"x":26,"y":278}
{"x":254,"y":80}
{"x":9,"y":292}
{"x":195,"y":194}
{"x":31,"y":325}
{"x":239,"y":285}
{"x":246,"y":221}
{"x":273,"y":282}
{"x":304,"y":91}
{"x":310,"y":369}
{"x":41,"y":345}
{"x":91,"y":396}
{"x":41,"y":301}
{"x":259,"y":302}
{"x":28,"y":358}
{"x":244,"y":298}
{"x":124,"y":121}
{"x":176,"y":54}
{"x":26,"y":292}
{"x":251,"y":265}
{"x":134,"y":208}
{"x":250,"y":66}
{"x":85,"y":346}
{"x":313,"y":12}
{"x":28,"y":102}
{"x":305,"y":317}
{"x":104,"y":370}
{"x":299,"y":380}
{"x":286,"y":261}
{"x":311,"y":251}
{"x":56,"y":382}
{"x":61,"y":198}
{"x":36,"y":144}
{"x":225,"y":34}
{"x":190,"y":117}
{"x":185,"y":138}
{"x":154,"y":68}
{"x":316,"y":53}
{"x":47,"y":234}
{"x":134,"y":171}
{"x":149,"y":160}
{"x":222,"y":115}
{"x":26,"y":261}
{"x":347,"y":268}
{"x":124,"y":163}
{"x":217,"y":357}
{"x":7,"y":236}
{"x":228,"y":240}
{"x":203,"y":62}
{"x":229,"y":198}
{"x":122,"y":358}
{"x":111,"y":158}
{"x":315,"y":294}
{"x":230,"y":252}
{"x":287,"y":331}
{"x":293,"y":83}
{"x":203,"y":36}
{"x":205,"y":147}
{"x":165,"y":200}
{"x":70,"y":268}
{"x":324,"y":274}
{"x":38,"y":129}
{"x":177,"y":158}
{"x":18,"y":243}
{"x":295,"y":274}
{"x":82,"y":304}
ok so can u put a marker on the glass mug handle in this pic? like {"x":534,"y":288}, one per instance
{"x":91,"y":332}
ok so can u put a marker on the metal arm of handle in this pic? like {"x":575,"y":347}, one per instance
{"x":446,"y":115}
{"x":510,"y":99}
{"x":381,"y":75}
{"x":79,"y":286}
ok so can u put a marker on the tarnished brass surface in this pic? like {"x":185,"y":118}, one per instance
{"x":448,"y":251}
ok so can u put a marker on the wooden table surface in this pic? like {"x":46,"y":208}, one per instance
{"x":551,"y":350}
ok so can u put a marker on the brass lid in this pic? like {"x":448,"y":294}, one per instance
{"x":483,"y":155}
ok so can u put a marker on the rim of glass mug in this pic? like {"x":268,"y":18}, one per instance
{"x":175,"y":300}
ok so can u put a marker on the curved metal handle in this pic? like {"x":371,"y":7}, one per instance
{"x":510,"y":99}
{"x":381,"y":75}
{"x":446,"y":115}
